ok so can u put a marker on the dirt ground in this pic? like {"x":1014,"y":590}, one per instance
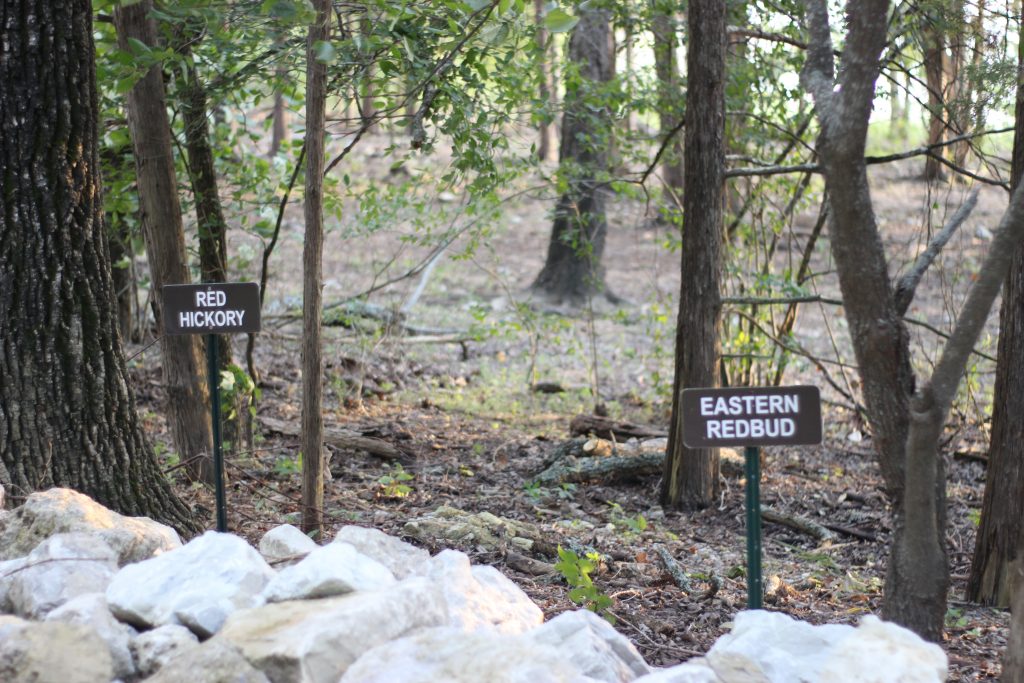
{"x":458,"y":400}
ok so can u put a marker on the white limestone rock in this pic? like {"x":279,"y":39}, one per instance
{"x":51,"y":652}
{"x":896,"y":656}
{"x":197,"y":585}
{"x":60,"y":568}
{"x":593,"y":646}
{"x":403,"y":559}
{"x":481,"y":597}
{"x":8,"y":569}
{"x":693,"y":671}
{"x":284,"y":545}
{"x":315,"y":641}
{"x":774,"y":647}
{"x":212,"y":662}
{"x":452,"y":656}
{"x":91,"y":610}
{"x":56,"y":511}
{"x":334,"y":569}
{"x":155,"y":649}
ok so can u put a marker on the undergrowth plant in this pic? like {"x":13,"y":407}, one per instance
{"x":576,"y":572}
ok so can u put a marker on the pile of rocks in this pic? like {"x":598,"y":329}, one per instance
{"x":87,"y":595}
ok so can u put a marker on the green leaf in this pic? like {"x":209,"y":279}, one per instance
{"x":557,"y":21}
{"x":325,"y":52}
{"x":138,"y":46}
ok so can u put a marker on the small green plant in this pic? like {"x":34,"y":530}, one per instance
{"x":625,"y":522}
{"x":576,"y":572}
{"x":286,"y":467}
{"x":534,"y":491}
{"x":235,"y":384}
{"x":566,"y":491}
{"x":392,"y":484}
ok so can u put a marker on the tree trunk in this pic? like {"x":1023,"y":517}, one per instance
{"x":183,"y":367}
{"x":572,"y":272}
{"x":691,"y":476}
{"x":670,"y":96}
{"x":1013,"y":662}
{"x":1003,"y":505}
{"x":934,"y":56}
{"x":213,"y":250}
{"x":120,"y":248}
{"x":544,"y":143}
{"x":367,"y":111}
{"x":67,"y":415}
{"x":312,"y":278}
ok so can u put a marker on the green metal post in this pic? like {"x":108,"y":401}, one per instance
{"x":753,"y":468}
{"x":213,"y":369}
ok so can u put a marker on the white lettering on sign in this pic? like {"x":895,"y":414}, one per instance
{"x":755,"y":427}
{"x":211,"y":299}
{"x":187,"y":319}
{"x":787,"y":404}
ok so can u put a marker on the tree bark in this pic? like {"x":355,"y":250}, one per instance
{"x":312,"y":278}
{"x":67,"y":414}
{"x":691,"y":475}
{"x":670,"y":95}
{"x":545,"y":141}
{"x":572,"y":272}
{"x":183,"y":367}
{"x":1013,"y":662}
{"x":1002,"y":508}
{"x":212,"y":228}
{"x":934,"y":58}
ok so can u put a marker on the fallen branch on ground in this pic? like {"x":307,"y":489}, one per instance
{"x":801,"y":524}
{"x":339,"y":437}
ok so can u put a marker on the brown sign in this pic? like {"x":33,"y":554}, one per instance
{"x":212,"y":308}
{"x":751,"y":416}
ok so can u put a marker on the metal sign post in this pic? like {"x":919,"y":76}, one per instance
{"x":752,"y":417}
{"x":213,"y":309}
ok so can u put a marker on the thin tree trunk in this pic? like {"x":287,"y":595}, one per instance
{"x":367,"y":111}
{"x":934,"y":54}
{"x":572,"y":272}
{"x":184,"y":370}
{"x":67,"y":414}
{"x":691,"y":476}
{"x":1002,"y":508}
{"x":312,"y":278}
{"x":545,"y":144}
{"x":670,"y":95}
{"x":238,"y":427}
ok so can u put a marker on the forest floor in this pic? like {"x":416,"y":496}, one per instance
{"x":459,"y":402}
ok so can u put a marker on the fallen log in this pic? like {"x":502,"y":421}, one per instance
{"x":606,"y":428}
{"x":570,"y":462}
{"x":340,"y":437}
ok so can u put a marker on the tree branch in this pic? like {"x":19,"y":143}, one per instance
{"x":818,"y":74}
{"x":975,"y":310}
{"x":907,"y":286}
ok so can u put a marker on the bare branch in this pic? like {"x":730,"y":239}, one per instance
{"x":907,"y":285}
{"x":744,"y":32}
{"x":975,"y":310}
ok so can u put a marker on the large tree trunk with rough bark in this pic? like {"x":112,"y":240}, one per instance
{"x":67,"y":415}
{"x":572,"y":272}
{"x":312,"y":278}
{"x":691,"y":476}
{"x":1002,"y":509}
{"x":184,"y":372}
